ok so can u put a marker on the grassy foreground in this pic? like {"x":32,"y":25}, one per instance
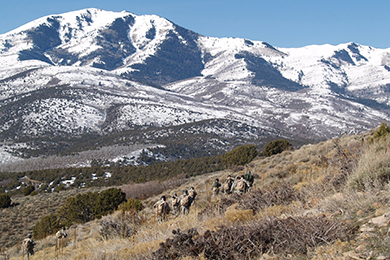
{"x":323,"y":201}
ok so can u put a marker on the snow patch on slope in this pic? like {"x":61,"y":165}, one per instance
{"x":6,"y":157}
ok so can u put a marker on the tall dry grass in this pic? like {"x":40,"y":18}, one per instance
{"x":373,"y":169}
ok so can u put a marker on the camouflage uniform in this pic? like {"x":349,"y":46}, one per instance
{"x":240,"y":186}
{"x":216,"y":186}
{"x":28,"y":246}
{"x":192,"y":194}
{"x":162,"y":209}
{"x":185,"y":203}
{"x":61,"y":233}
{"x":227,"y":185}
{"x":175,"y":204}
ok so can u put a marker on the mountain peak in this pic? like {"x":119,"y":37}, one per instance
{"x":107,"y":72}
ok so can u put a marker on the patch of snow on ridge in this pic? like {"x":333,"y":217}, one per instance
{"x":67,"y":183}
{"x":81,"y":21}
{"x":6,"y":157}
{"x":146,"y":44}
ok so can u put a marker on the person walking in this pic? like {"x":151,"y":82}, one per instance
{"x":216,"y":186}
{"x":193,"y":195}
{"x":175,"y":205}
{"x":162,"y":209}
{"x":228,"y":185}
{"x":59,"y":241}
{"x":185,"y":203}
{"x":28,"y":246}
{"x":240,"y":186}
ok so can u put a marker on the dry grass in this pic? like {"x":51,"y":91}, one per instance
{"x":331,"y":188}
{"x":18,"y":220}
{"x":234,"y":215}
{"x":373,"y":168}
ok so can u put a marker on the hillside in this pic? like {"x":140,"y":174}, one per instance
{"x":322,"y":201}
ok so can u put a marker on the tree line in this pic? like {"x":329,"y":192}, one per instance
{"x":114,"y":174}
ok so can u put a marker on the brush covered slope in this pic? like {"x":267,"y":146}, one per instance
{"x":93,"y":78}
{"x":324,"y":201}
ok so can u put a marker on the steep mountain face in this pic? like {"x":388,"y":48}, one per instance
{"x":142,"y":48}
{"x":99,"y":77}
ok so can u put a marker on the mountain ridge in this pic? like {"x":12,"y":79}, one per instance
{"x":95,"y":72}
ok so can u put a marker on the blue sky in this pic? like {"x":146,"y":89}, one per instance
{"x":282,"y":23}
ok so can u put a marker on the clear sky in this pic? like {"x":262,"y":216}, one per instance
{"x":281,"y":23}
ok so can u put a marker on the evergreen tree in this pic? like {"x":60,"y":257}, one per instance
{"x":27,"y":191}
{"x":132,"y":204}
{"x":47,"y":226}
{"x":240,"y":155}
{"x":382,"y":132}
{"x":5,"y":201}
{"x":108,"y":201}
{"x":275,"y":147}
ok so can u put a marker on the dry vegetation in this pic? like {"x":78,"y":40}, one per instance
{"x":323,"y":201}
{"x":19,"y":219}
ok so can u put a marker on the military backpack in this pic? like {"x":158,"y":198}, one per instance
{"x":185,"y":201}
{"x":241,"y":186}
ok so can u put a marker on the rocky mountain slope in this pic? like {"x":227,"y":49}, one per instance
{"x":94,"y":76}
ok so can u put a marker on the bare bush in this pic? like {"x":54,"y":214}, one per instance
{"x":182,"y":244}
{"x":111,"y":229}
{"x":212,"y":210}
{"x":151,"y":188}
{"x":258,"y":199}
{"x":282,"y":236}
{"x":255,"y":200}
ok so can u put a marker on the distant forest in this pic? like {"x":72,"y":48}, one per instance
{"x":101,"y":174}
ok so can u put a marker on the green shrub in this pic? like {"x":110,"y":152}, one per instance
{"x":79,"y":209}
{"x":27,"y":191}
{"x":108,"y":201}
{"x":34,"y":193}
{"x":277,"y":146}
{"x":382,"y":132}
{"x":131,"y":204}
{"x":240,"y":156}
{"x":5,"y":201}
{"x":47,"y":226}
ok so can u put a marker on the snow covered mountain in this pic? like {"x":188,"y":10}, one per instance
{"x":93,"y":75}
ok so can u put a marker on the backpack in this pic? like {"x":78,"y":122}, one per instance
{"x":175,"y":202}
{"x":185,"y":201}
{"x":241,"y":185}
{"x":61,"y":234}
{"x":227,"y":185}
{"x":162,"y":208}
{"x":216,"y":184}
{"x":249,"y":177}
{"x":29,"y":245}
{"x":192,"y":193}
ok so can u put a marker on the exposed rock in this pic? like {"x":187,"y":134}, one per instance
{"x":381,"y":221}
